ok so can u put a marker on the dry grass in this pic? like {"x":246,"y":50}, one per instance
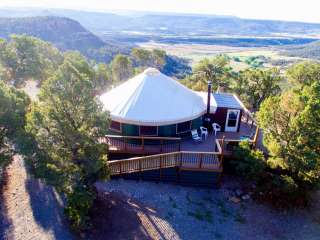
{"x":196,"y":52}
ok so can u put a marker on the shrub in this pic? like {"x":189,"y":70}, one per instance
{"x":236,"y":59}
{"x":283,"y":191}
{"x":248,"y":163}
{"x":274,"y":183}
{"x":79,"y":203}
{"x":5,"y":158}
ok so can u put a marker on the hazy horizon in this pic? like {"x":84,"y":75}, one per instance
{"x":272,"y":10}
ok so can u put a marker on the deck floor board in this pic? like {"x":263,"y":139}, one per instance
{"x":207,"y":145}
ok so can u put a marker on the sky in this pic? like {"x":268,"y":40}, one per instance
{"x":292,"y":10}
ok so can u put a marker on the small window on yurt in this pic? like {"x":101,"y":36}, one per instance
{"x":115,"y":126}
{"x":183,"y":127}
{"x":148,"y":131}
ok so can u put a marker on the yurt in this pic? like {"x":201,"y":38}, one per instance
{"x":153,"y":104}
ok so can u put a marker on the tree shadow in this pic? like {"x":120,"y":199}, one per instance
{"x":117,"y":216}
{"x":47,"y":208}
{"x":112,"y":217}
{"x":5,"y":221}
{"x":46,"y":204}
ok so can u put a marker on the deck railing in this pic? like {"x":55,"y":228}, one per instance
{"x":184,"y":160}
{"x":230,"y":144}
{"x":141,"y":144}
{"x":193,"y":161}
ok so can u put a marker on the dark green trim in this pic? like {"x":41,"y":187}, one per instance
{"x":130,"y":130}
{"x":163,"y":131}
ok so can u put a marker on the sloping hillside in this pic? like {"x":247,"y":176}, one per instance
{"x":311,"y":50}
{"x":64,"y":33}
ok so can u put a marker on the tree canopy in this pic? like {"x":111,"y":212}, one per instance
{"x":256,"y":85}
{"x":121,"y":68}
{"x":304,"y":73}
{"x":25,"y":57}
{"x":143,"y":58}
{"x":252,"y":85}
{"x":13,"y":107}
{"x":67,"y":122}
{"x":290,"y":123}
{"x":216,"y":70}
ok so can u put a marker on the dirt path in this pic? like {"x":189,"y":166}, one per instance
{"x":30,"y":209}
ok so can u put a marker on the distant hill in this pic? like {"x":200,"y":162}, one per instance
{"x":195,"y":25}
{"x":175,"y":24}
{"x":64,"y":33}
{"x":68,"y":34}
{"x":311,"y":50}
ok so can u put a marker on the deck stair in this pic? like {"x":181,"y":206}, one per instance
{"x":186,"y":167}
{"x":192,"y":168}
{"x":192,"y":161}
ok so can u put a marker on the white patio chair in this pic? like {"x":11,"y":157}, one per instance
{"x":204,"y":132}
{"x":195,"y":135}
{"x":216,"y":128}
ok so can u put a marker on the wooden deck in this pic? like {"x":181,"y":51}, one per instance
{"x":160,"y":153}
{"x":184,"y":160}
{"x":210,"y":160}
{"x":158,"y":145}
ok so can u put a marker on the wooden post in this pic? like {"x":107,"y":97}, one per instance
{"x":255,"y":139}
{"x":219,"y":179}
{"x":142,"y":143}
{"x":179,"y":167}
{"x":161,"y":143}
{"x":160,"y":168}
{"x":175,"y":160}
{"x":221,"y":161}
{"x":200,"y":163}
{"x":222,"y":149}
{"x":140,"y":168}
{"x":120,"y":168}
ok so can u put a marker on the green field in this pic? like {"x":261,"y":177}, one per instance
{"x":241,"y":57}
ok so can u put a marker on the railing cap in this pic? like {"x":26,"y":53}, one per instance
{"x":143,"y":137}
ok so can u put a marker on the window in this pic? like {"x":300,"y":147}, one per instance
{"x":233,"y":118}
{"x":115,"y":126}
{"x":148,"y":131}
{"x":183,"y":127}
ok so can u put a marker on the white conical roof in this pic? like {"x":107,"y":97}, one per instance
{"x":153,"y":99}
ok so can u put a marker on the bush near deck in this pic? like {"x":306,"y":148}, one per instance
{"x":290,"y":124}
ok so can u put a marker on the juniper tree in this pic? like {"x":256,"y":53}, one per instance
{"x":67,"y":122}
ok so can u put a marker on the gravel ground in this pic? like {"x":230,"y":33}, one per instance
{"x":32,"y":210}
{"x":29,"y":208}
{"x":193,"y":213}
